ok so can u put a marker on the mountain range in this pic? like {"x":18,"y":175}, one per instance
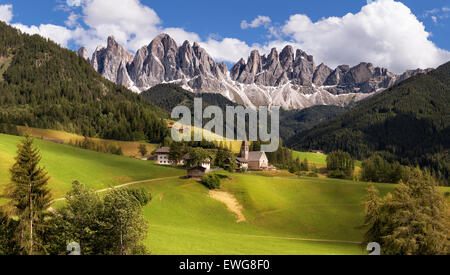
{"x":409,"y":123}
{"x":45,"y":86}
{"x":289,"y":79}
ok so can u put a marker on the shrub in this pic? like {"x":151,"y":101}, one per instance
{"x":340,"y":165}
{"x":313,"y":175}
{"x":211,"y":181}
{"x":337,"y":174}
{"x":142,"y":196}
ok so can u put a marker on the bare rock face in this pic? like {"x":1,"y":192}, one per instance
{"x":237,"y":69}
{"x":287,"y":57}
{"x":108,"y":60}
{"x":123,"y":78}
{"x":412,"y":73}
{"x":304,"y":68}
{"x":82,"y":52}
{"x":321,"y":74}
{"x":163,"y":61}
{"x":249,"y":71}
{"x":289,"y":79}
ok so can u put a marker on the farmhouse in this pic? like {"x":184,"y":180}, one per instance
{"x":197,"y":172}
{"x":252,"y":160}
{"x":206,"y":163}
{"x":162,"y":158}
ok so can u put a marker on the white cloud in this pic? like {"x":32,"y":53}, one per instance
{"x":228,"y":49}
{"x":74,"y":3}
{"x":130,"y":22}
{"x":59,"y":34}
{"x":437,"y":15}
{"x":384,"y":32}
{"x":180,"y":35}
{"x":257,"y":22}
{"x":72,"y":20}
{"x":6,"y":13}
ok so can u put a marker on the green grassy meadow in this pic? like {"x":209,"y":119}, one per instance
{"x":281,"y":212}
{"x":129,"y":148}
{"x":320,"y":160}
{"x":65,"y":164}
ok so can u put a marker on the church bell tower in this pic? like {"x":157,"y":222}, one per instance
{"x":245,"y":149}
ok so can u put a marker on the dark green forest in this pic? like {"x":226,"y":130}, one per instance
{"x":295,"y":121}
{"x":169,"y":96}
{"x":46,"y":86}
{"x":408,"y":123}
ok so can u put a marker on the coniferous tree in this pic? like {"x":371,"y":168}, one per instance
{"x":372,"y":216}
{"x":410,"y":221}
{"x":143,"y":150}
{"x":8,"y":227}
{"x":176,"y":153}
{"x":30,"y":196}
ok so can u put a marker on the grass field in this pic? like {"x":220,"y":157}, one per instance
{"x":320,"y":160}
{"x":184,"y":220}
{"x":281,"y":212}
{"x":65,"y":164}
{"x":129,"y":148}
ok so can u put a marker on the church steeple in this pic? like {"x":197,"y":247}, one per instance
{"x":245,"y":149}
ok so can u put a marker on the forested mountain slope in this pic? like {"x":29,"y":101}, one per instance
{"x":409,"y":122}
{"x":43,"y":85}
{"x":168,"y":96}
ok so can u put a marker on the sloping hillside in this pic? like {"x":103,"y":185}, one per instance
{"x":46,"y":86}
{"x":168,"y":96}
{"x":410,"y":122}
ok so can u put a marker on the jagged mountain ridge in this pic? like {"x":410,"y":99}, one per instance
{"x":290,"y":79}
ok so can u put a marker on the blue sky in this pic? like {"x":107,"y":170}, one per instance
{"x":217,"y":25}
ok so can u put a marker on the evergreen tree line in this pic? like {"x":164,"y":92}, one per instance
{"x":46,"y":86}
{"x":413,"y":220}
{"x":90,"y":144}
{"x":340,"y":165}
{"x":409,"y":123}
{"x":221,"y":157}
{"x":378,"y":169}
{"x":114,"y":225}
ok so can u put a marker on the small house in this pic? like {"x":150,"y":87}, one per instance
{"x":162,"y":156}
{"x":206,"y":163}
{"x":196,"y":172}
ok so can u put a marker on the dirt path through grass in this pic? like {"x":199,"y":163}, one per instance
{"x":125,"y":185}
{"x":230,"y":201}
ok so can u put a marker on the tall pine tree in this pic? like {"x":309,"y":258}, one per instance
{"x":30,"y":197}
{"x":411,"y":221}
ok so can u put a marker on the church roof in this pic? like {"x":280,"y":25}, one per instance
{"x":242,"y":160}
{"x":255,"y":156}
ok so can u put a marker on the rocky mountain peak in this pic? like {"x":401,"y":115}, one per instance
{"x":112,"y":42}
{"x":289,"y":79}
{"x":82,"y":52}
{"x":287,"y":58}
